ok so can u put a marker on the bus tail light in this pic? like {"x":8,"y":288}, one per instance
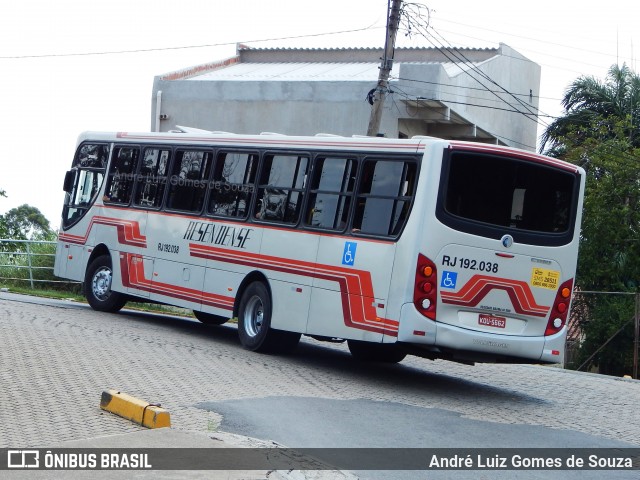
{"x":560,"y":309}
{"x":425,"y":289}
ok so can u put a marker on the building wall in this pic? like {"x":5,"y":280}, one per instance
{"x":339,"y":107}
{"x":292,"y":108}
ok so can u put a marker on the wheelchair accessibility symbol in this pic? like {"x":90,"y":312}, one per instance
{"x":449,"y":279}
{"x":349,"y":254}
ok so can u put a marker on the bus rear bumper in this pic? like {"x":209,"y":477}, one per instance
{"x":474,"y":346}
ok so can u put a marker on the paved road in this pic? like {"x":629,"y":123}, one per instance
{"x":56,"y":359}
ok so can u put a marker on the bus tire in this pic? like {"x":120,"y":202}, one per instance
{"x":376,"y":352}
{"x":209,"y":318}
{"x":97,"y":286}
{"x":254,"y":323}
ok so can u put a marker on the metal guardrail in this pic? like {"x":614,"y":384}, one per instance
{"x":26,"y":251}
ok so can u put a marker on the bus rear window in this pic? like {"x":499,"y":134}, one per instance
{"x":508,"y":193}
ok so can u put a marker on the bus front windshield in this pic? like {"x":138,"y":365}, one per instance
{"x":88,"y":168}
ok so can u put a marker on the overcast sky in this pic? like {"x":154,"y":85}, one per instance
{"x":69,"y":66}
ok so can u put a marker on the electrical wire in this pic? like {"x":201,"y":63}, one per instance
{"x":184,"y":47}
{"x":401,"y":93}
{"x":412,"y":12}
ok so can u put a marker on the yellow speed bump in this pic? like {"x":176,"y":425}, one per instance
{"x":138,"y":411}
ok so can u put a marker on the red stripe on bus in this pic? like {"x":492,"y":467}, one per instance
{"x":479,"y":286}
{"x":128,"y":232}
{"x":354,"y":285}
{"x":133,"y":276}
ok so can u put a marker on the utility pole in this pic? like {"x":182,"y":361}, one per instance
{"x":393,"y":22}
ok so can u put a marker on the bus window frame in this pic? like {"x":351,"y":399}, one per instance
{"x":482,"y":229}
{"x":76,"y":168}
{"x":323,"y":155}
{"x":407,"y":158}
{"x":140,"y":183}
{"x":308,"y":154}
{"x":212,"y":184}
{"x":134,"y":173}
{"x":191,"y":148}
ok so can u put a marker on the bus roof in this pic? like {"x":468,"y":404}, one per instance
{"x":324,"y":141}
{"x":264,"y":140}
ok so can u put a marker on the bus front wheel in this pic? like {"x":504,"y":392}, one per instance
{"x":254,"y":323}
{"x":376,"y":352}
{"x":97,"y":285}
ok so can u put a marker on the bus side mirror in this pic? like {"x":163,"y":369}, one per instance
{"x":69,"y":178}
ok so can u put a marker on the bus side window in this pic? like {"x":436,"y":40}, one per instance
{"x":188,"y":181}
{"x":330,"y":193}
{"x":121,"y":178}
{"x":280,"y":192}
{"x":153,"y":178}
{"x":233,"y":184}
{"x":384,"y":197}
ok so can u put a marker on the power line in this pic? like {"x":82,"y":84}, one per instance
{"x":412,"y":24}
{"x":487,"y":77}
{"x":405,"y":95}
{"x":184,"y":47}
{"x":405,"y":79}
{"x":556,"y":44}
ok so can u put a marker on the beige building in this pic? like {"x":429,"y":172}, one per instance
{"x":486,"y":95}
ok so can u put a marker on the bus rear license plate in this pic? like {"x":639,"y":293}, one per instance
{"x":492,"y":321}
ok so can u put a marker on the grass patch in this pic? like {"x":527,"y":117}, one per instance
{"x":39,"y":292}
{"x":67,"y":295}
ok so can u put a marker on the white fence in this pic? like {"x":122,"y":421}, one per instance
{"x":21,"y":255}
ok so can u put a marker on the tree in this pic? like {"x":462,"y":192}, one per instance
{"x":589,"y":101}
{"x":26,"y":223}
{"x":3,"y":229}
{"x":600,"y":132}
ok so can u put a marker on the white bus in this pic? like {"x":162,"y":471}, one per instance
{"x":436,"y":248}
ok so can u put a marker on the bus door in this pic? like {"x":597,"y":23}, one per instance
{"x":81,"y":185}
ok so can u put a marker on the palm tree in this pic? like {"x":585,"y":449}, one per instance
{"x":589,"y":102}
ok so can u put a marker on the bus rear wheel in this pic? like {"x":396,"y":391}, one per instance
{"x":209,"y":318}
{"x":376,"y":352}
{"x":97,"y":286}
{"x":254,"y":323}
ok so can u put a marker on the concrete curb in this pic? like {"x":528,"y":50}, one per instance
{"x":138,"y":411}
